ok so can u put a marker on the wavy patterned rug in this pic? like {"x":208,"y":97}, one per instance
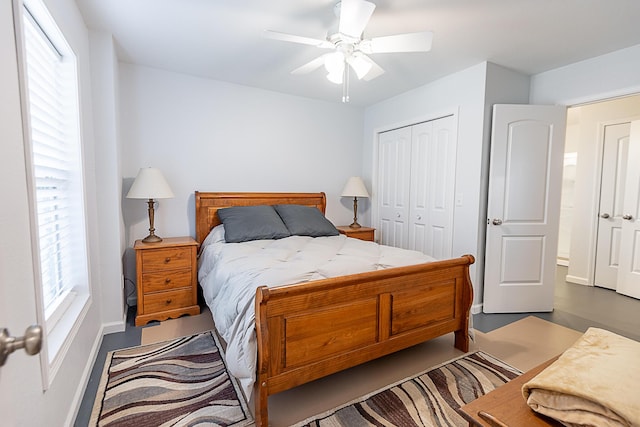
{"x":427,"y":399}
{"x":182,"y":382}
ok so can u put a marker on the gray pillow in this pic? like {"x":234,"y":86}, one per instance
{"x":244,"y":223}
{"x":305,"y":221}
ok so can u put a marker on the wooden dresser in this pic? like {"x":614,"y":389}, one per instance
{"x":362,"y":233}
{"x":166,"y":279}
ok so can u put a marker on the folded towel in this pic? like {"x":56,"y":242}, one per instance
{"x":596,"y":382}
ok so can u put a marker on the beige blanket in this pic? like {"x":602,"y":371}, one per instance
{"x":596,"y":382}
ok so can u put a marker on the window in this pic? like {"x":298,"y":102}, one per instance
{"x":55,"y":163}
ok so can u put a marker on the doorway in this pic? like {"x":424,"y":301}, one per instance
{"x":585,"y":245}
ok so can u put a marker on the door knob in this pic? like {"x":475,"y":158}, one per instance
{"x":31,"y":342}
{"x":604,"y":215}
{"x":497,"y":221}
{"x":627,"y":217}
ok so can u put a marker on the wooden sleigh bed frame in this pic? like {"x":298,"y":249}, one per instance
{"x":311,"y":330}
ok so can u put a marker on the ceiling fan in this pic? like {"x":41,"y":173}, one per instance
{"x":349,"y":49}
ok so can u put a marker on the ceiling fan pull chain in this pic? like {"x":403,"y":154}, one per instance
{"x":345,"y":84}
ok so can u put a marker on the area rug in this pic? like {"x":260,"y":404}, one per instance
{"x":182,"y":382}
{"x":431,"y":398}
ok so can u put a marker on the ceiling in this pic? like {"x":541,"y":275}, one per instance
{"x":223,"y":39}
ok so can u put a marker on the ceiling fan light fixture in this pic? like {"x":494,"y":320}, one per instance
{"x":334,"y":62}
{"x":350,"y":50}
{"x":360,"y":65}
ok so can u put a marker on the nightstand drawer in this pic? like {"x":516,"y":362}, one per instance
{"x":164,"y":281}
{"x":166,"y":259}
{"x":362,"y":233}
{"x":163,"y":301}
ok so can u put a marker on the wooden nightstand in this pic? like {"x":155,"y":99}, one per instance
{"x":362,"y":233}
{"x":167,"y":279}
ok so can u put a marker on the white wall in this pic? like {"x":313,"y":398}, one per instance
{"x":602,"y":77}
{"x":23,"y":401}
{"x":104,"y":66}
{"x":567,"y":211}
{"x":208,"y":135}
{"x":469,"y":94}
{"x":463,"y":94}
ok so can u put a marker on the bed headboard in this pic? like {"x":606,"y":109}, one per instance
{"x":207,"y":205}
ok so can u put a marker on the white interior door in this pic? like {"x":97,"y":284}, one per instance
{"x":394,"y":151}
{"x":527,"y":151}
{"x":21,"y":395}
{"x":629,"y":270}
{"x":612,"y":195}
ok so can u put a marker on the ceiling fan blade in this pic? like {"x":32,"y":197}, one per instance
{"x":409,"y":42}
{"x":298,"y":39}
{"x":310,"y":66}
{"x":375,"y":70}
{"x":354,"y":16}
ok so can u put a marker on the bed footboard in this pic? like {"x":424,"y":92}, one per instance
{"x":308,"y":331}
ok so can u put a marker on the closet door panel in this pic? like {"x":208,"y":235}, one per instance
{"x":432,"y":187}
{"x":393,"y":186}
{"x":442,"y":187}
{"x":422,"y":163}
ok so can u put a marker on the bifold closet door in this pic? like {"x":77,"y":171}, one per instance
{"x":416,"y":184}
{"x":394,"y":174}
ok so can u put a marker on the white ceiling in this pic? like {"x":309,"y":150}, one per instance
{"x":223,"y":39}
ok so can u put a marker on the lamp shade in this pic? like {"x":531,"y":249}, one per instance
{"x":355,"y":188}
{"x":150,"y":184}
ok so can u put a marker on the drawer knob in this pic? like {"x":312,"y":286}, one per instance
{"x":167,"y":260}
{"x":168,"y":301}
{"x":167,"y":280}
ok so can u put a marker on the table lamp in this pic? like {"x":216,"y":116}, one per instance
{"x":355,"y":188}
{"x":150,"y":184}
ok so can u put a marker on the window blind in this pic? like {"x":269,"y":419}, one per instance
{"x":55,"y":158}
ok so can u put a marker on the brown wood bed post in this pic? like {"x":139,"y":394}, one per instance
{"x":462,"y":336}
{"x":260,"y":387}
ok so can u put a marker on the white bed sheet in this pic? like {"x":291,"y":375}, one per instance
{"x":230,"y":273}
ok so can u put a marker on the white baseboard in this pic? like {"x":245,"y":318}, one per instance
{"x":110,"y":328}
{"x":577,"y":280}
{"x":476,"y":308}
{"x":563,"y":262}
{"x":84,"y":379}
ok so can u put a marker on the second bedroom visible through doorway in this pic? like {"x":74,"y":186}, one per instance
{"x":595,"y":226}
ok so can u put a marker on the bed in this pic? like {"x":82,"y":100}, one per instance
{"x":309,"y":330}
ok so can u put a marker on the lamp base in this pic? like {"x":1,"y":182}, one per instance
{"x":355,"y":225}
{"x":152,"y":238}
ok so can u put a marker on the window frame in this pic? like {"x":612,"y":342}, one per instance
{"x":61,"y":324}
